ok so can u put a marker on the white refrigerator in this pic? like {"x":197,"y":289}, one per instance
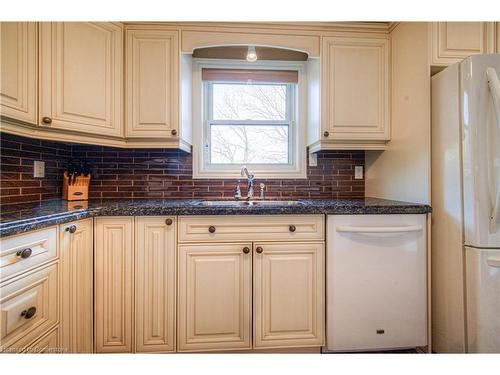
{"x":466,"y":206}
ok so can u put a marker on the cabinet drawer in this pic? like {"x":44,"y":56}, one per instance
{"x":28,"y":307}
{"x":48,"y":343}
{"x":25,"y":251}
{"x":251,"y":228}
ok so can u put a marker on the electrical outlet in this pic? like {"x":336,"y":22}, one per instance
{"x":313,"y":160}
{"x":358,"y":172}
{"x":39,"y":169}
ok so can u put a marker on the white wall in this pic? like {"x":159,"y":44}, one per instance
{"x":402,"y":172}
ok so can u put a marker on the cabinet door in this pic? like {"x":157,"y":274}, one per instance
{"x":155,"y":284}
{"x":113,"y":276}
{"x":288,"y":292}
{"x":152,"y":76}
{"x":18,"y":70}
{"x":451,"y":42}
{"x":77,"y":262}
{"x":81,"y":77}
{"x":214,"y":297}
{"x":355,"y":89}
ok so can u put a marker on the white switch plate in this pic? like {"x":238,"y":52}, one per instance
{"x":39,"y":169}
{"x":358,"y":172}
{"x":313,"y":160}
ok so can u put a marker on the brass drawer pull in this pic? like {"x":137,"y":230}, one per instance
{"x":71,"y":229}
{"x":246,"y":250}
{"x":259,"y":250}
{"x":30,"y":313}
{"x":174,"y":132}
{"x":169,"y":221}
{"x":25,"y":253}
{"x":211,"y":229}
{"x":47,"y":120}
{"x":326,"y":134}
{"x":292,"y":228}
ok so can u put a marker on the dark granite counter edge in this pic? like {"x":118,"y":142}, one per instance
{"x":26,"y":225}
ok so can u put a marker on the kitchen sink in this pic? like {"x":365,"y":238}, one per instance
{"x":247,"y":203}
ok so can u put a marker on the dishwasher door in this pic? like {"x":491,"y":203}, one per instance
{"x":376,"y":282}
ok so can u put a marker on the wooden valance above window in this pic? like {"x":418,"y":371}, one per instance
{"x":253,"y":75}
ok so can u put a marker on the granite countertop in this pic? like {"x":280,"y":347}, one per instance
{"x":25,"y":217}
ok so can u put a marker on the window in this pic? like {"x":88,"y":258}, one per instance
{"x":248,"y":115}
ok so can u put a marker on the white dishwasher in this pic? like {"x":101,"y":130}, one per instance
{"x":376,"y":282}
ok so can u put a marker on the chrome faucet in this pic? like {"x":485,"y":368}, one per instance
{"x":249,"y":176}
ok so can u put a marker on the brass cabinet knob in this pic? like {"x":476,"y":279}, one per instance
{"x":211,"y":229}
{"x":169,"y":221}
{"x":326,"y":134}
{"x":46,"y":120}
{"x":259,"y":250}
{"x":246,"y":250}
{"x":292,"y":228}
{"x":174,"y":132}
{"x":25,"y":253}
{"x":29,"y":313}
{"x":71,"y":229}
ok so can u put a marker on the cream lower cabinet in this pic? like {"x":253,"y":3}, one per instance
{"x":215,"y":297}
{"x":155,"y":284}
{"x":288,"y":289}
{"x":114,"y":284}
{"x":77,"y":304}
{"x":263,"y":292}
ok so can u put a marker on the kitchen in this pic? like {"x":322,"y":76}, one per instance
{"x":249,"y":187}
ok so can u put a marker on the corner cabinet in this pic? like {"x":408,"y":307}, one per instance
{"x":354,"y":94}
{"x":81,"y":77}
{"x":152,"y":87}
{"x":114,"y":281}
{"x":19,"y":70}
{"x":451,"y":42}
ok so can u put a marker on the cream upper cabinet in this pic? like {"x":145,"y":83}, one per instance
{"x":215,"y":297}
{"x":155,"y":284}
{"x":288,"y":294}
{"x":451,"y":42}
{"x":114,"y":277}
{"x":18,"y":71}
{"x":497,"y":37}
{"x":354,"y":92}
{"x":152,"y":83}
{"x":77,"y":262}
{"x":81,"y":77}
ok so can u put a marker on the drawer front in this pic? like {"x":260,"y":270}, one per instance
{"x":251,"y":228}
{"x":25,"y":251}
{"x":28,"y":307}
{"x":47,"y":344}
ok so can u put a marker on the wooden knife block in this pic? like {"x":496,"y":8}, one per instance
{"x":78,"y":190}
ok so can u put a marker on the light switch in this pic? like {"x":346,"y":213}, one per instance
{"x":313,"y":160}
{"x":358,"y":172}
{"x":39,"y":169}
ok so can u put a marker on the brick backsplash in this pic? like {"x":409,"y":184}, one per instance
{"x":157,"y":173}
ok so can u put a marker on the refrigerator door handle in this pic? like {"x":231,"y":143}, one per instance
{"x":493,"y":262}
{"x":394,"y":229}
{"x":494,"y":85}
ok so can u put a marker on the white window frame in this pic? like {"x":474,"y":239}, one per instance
{"x":296,"y":168}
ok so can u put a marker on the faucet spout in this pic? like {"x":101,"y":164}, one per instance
{"x":250,"y":177}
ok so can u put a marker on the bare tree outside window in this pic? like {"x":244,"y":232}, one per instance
{"x":249,"y":124}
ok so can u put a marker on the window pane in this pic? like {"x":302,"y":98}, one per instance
{"x":241,"y":101}
{"x":247,"y":144}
